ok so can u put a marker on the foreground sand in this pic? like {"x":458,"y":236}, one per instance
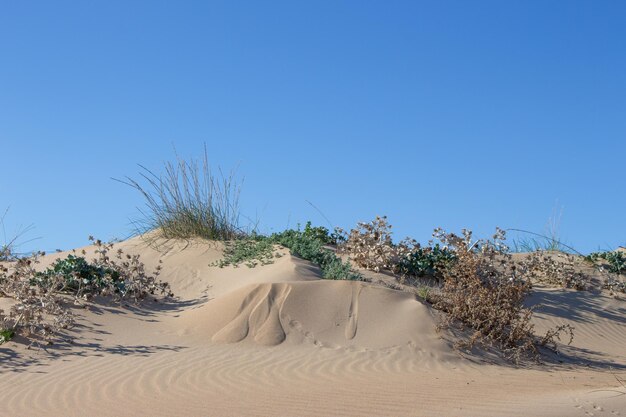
{"x":278,"y":341}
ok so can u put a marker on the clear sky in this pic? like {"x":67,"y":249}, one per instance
{"x":440,"y":113}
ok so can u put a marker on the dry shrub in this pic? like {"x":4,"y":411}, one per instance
{"x":370,"y":246}
{"x":615,"y":286}
{"x":38,"y":311}
{"x":557,"y":269}
{"x":483,"y":291}
{"x":131,"y":278}
{"x":41,"y":301}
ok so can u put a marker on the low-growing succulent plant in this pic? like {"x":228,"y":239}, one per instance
{"x":422,"y":261}
{"x":616,"y":260}
{"x":310,"y":246}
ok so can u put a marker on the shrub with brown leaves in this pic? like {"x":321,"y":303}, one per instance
{"x":483,"y":291}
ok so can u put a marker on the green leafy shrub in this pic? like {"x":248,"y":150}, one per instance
{"x":422,"y":261}
{"x":616,"y":260}
{"x":80,"y":276}
{"x":310,"y":247}
{"x":322,"y":234}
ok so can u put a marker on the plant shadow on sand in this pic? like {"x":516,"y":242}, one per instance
{"x":23,"y":355}
{"x":567,"y":357}
{"x":148,"y":310}
{"x":578,"y":306}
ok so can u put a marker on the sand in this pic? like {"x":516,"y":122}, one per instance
{"x":276,"y":340}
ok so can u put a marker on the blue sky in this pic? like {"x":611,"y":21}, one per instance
{"x":442,"y":113}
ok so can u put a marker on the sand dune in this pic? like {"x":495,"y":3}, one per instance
{"x":277,"y":340}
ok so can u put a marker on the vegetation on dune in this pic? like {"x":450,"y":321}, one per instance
{"x":616,"y":260}
{"x":371,"y":247}
{"x":41,"y":308}
{"x":479,"y":285}
{"x":310,"y":244}
{"x":8,"y":247}
{"x":189,"y":200}
{"x":484,"y":290}
{"x":251,"y":251}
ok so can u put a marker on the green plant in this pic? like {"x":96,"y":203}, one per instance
{"x":549,"y":241}
{"x":80,"y":277}
{"x":616,"y":260}
{"x":252,"y":252}
{"x":6,"y":335}
{"x":310,"y":247}
{"x":323,"y":234}
{"x":422,"y":261}
{"x":424,"y":293}
{"x":189,"y":200}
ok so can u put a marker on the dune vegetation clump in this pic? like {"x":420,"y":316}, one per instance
{"x":189,"y":200}
{"x":615,"y":260}
{"x":252,"y":251}
{"x":312,"y":244}
{"x":484,"y":291}
{"x":371,"y":247}
{"x":554,"y":268}
{"x":41,"y":300}
{"x":38,"y":310}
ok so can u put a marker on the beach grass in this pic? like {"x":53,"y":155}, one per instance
{"x":189,"y":200}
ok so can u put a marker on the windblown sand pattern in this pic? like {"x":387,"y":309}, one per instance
{"x":279,"y":341}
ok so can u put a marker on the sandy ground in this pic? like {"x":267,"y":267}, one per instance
{"x":278,"y":341}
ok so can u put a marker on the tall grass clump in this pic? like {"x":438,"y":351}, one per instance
{"x":189,"y":200}
{"x":548,"y":241}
